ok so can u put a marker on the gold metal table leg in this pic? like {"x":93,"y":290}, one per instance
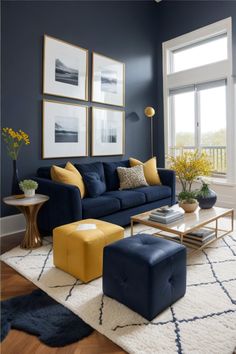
{"x":32,"y":237}
{"x":132,"y":228}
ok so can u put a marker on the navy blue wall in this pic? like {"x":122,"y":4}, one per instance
{"x":129,"y":31}
{"x":121,"y":30}
{"x":175,"y":18}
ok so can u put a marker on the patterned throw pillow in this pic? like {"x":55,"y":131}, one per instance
{"x":131,"y":177}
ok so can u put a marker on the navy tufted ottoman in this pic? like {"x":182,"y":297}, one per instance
{"x":145,"y":273}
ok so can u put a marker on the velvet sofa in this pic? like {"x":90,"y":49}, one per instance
{"x":65,"y":204}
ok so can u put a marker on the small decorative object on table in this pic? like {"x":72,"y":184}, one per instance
{"x":14,"y":141}
{"x":188,"y":201}
{"x":205,"y":196}
{"x":30,"y":209}
{"x":28,"y":186}
{"x":188,"y":167}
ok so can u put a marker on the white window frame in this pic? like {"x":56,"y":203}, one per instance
{"x":221,"y":70}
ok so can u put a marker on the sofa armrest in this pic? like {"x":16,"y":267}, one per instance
{"x":63,"y":207}
{"x":168,"y":178}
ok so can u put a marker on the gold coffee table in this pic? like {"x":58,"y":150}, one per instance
{"x":189,"y":223}
{"x":30,"y":208}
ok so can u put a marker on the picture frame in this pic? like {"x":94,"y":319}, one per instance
{"x":108,"y":132}
{"x":108,"y":80}
{"x":65,"y":69}
{"x":65,"y":130}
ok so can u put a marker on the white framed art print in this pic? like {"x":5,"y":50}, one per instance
{"x":65,"y":69}
{"x":108,"y":132}
{"x":108,"y":81}
{"x":65,"y":130}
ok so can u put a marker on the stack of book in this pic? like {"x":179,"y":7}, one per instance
{"x":195,"y":239}
{"x":199,"y":237}
{"x":165,"y":215}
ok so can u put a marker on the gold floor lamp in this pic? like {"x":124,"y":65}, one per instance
{"x":149,"y":113}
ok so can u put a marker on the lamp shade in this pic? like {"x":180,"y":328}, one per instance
{"x":149,"y":112}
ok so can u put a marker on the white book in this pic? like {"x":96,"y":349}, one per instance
{"x":174,"y":215}
{"x":165,"y":220}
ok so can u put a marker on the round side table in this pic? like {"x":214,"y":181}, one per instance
{"x":30,"y":208}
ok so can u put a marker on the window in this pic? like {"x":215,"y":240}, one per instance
{"x":199,"y":94}
{"x":201,"y":53}
{"x":197,"y":122}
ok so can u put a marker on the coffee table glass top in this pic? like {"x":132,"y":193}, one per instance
{"x":188,"y":222}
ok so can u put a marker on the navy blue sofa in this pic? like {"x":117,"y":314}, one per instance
{"x":65,"y":204}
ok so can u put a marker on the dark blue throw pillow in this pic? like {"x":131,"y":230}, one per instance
{"x":110,"y":169}
{"x":91,"y":167}
{"x":94,"y":185}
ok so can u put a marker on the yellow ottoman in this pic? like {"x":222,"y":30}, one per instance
{"x":80,"y":252}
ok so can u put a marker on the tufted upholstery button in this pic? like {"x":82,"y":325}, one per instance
{"x":145,"y":273}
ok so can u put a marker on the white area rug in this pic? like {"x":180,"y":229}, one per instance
{"x":202,"y":322}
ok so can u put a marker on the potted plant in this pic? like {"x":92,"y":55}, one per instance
{"x":188,"y":167}
{"x":28,"y":186}
{"x":188,"y":201}
{"x":205,"y":196}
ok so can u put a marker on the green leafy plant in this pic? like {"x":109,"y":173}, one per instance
{"x":188,"y":197}
{"x":27,"y":184}
{"x":204,"y":191}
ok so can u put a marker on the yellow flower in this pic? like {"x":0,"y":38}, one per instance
{"x":14,"y":140}
{"x":19,"y":137}
{"x":189,"y":166}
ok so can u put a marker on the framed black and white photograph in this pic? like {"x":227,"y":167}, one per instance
{"x":65,"y":130}
{"x":65,"y":69}
{"x":108,"y":81}
{"x":108,"y":132}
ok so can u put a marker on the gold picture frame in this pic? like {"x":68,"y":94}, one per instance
{"x":65,"y":139}
{"x":61,"y":74}
{"x":112,"y":134}
{"x":108,"y":80}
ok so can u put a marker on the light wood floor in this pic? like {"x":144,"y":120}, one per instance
{"x":18,"y":342}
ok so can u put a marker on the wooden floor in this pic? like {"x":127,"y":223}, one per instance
{"x":18,"y":342}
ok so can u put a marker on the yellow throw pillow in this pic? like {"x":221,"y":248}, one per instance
{"x":68,"y":175}
{"x":150,"y":170}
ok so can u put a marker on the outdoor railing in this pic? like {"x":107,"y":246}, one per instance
{"x":217,"y":155}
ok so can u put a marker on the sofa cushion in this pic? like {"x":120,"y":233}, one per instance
{"x":111,"y":175}
{"x":127,"y":198}
{"x":94,"y":185}
{"x":154,"y":193}
{"x":100,"y":206}
{"x":92,"y":167}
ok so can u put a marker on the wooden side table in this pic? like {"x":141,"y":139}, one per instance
{"x":30,"y":208}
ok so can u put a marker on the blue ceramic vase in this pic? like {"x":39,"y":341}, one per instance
{"x":208,"y":201}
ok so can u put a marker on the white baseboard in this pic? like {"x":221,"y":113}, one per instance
{"x":12,"y":224}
